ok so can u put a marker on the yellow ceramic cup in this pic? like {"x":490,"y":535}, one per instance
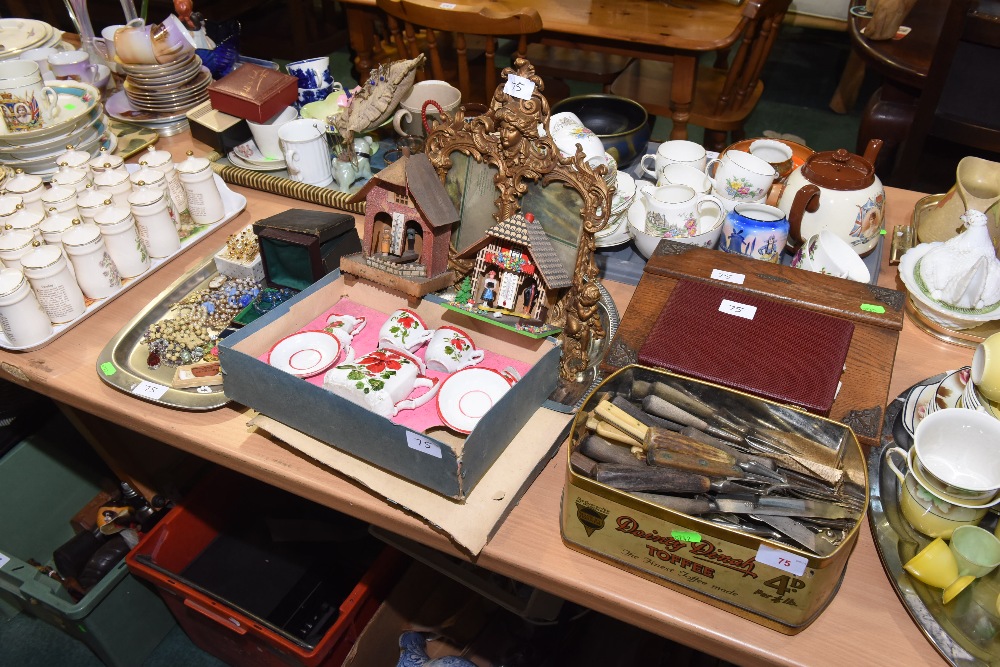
{"x":935,"y":565}
{"x":986,"y":367}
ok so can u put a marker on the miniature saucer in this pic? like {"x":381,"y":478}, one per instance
{"x":469,"y":394}
{"x":915,"y":408}
{"x":249,"y":152}
{"x":949,"y":391}
{"x":305,"y":354}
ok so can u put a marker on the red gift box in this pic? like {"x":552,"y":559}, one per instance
{"x":254,"y":93}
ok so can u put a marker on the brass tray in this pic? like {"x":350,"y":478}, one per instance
{"x":131,"y":138}
{"x":965,"y":337}
{"x":122,"y":362}
{"x":960,"y":631}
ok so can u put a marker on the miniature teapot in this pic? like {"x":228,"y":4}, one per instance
{"x":838,"y":191}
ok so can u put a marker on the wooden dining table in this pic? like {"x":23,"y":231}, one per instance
{"x":674,"y":30}
{"x":865,"y":624}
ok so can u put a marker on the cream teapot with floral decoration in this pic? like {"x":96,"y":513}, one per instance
{"x":838,"y":191}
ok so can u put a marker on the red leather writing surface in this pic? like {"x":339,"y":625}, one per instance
{"x":784,"y":353}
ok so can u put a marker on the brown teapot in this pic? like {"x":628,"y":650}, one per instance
{"x":838,"y":191}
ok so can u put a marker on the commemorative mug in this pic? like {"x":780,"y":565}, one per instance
{"x":451,"y":349}
{"x":675,"y":211}
{"x":741,"y":176}
{"x":303,"y":145}
{"x":677,"y":151}
{"x":757,"y":231}
{"x":382,"y":381}
{"x":345,"y":327}
{"x":26,"y":104}
{"x":404,"y":330}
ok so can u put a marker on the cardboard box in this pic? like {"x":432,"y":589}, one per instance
{"x":455,"y":466}
{"x":717,"y":565}
{"x":219,"y":130}
{"x":253,"y":92}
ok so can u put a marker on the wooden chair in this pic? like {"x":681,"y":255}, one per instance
{"x":455,"y":39}
{"x":724,"y":94}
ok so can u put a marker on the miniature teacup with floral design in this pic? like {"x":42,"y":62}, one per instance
{"x":404,"y":330}
{"x":382,"y":381}
{"x":451,"y":349}
{"x":741,"y":176}
{"x":345,"y":327}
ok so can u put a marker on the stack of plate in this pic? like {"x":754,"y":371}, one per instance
{"x":616,"y":231}
{"x":80,"y":123}
{"x":248,"y":156}
{"x":20,"y":35}
{"x":169,"y":88}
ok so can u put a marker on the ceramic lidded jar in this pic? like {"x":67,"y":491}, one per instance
{"x":74,"y":158}
{"x":77,"y":178}
{"x":838,"y":191}
{"x":150,"y":178}
{"x":9,"y":205}
{"x":156,"y":228}
{"x":57,"y":291}
{"x":203,"y":195}
{"x":105,"y":161}
{"x":60,"y":199}
{"x":96,"y":273}
{"x":14,"y":244}
{"x":116,"y":184}
{"x":53,"y":227}
{"x":163,"y":162}
{"x":90,"y":202}
{"x":122,"y":241}
{"x":24,"y":219}
{"x":29,"y":187}
{"x":22,"y":319}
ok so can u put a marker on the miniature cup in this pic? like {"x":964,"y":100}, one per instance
{"x":404,"y":330}
{"x":41,"y":58}
{"x":265,"y":134}
{"x":935,"y":565}
{"x":827,"y":253}
{"x":757,"y":231}
{"x":106,"y":42}
{"x":685,"y":174}
{"x":677,"y":151}
{"x":678,"y":211}
{"x":408,"y":120}
{"x":303,"y":145}
{"x":345,"y":327}
{"x":311,"y":73}
{"x":26,"y":104}
{"x":133,"y":45}
{"x":775,"y":153}
{"x":73,"y":65}
{"x":986,"y":367}
{"x":958,"y":451}
{"x":451,"y":349}
{"x":976,"y":551}
{"x":568,"y":130}
{"x":742,"y":176}
{"x":382,"y":381}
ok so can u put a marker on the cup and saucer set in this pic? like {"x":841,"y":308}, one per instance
{"x":386,"y":379}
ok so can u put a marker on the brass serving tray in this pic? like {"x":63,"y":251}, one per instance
{"x":122,"y":362}
{"x":965,"y":337}
{"x":960,"y":631}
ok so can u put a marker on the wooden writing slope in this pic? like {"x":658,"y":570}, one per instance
{"x":877,"y":314}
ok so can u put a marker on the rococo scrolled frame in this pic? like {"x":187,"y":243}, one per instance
{"x":507,"y":137}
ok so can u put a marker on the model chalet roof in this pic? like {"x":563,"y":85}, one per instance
{"x":517,"y":229}
{"x":416,"y":174}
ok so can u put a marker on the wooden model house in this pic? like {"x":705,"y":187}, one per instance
{"x":517,"y":271}
{"x":408,"y":224}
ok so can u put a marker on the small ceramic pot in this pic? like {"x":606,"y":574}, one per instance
{"x":21,"y":316}
{"x":757,"y":231}
{"x":54,"y":286}
{"x":382,"y":381}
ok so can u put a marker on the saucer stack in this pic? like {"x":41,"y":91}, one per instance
{"x":20,"y":35}
{"x":167,"y":88}
{"x":616,"y":231}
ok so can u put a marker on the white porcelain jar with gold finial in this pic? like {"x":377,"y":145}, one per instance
{"x":74,"y":158}
{"x":121,"y":237}
{"x":29,"y":187}
{"x":14,"y":244}
{"x":203,"y":195}
{"x":54,"y":286}
{"x":96,"y":273}
{"x":9,"y":205}
{"x":157,"y":230}
{"x":77,"y":178}
{"x":105,"y":161}
{"x":163,"y":162}
{"x":116,"y":184}
{"x":22,"y":319}
{"x":91,"y":201}
{"x":24,"y":219}
{"x":60,"y":199}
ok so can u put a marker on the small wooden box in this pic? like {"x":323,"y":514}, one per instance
{"x":864,"y":393}
{"x":300,"y":246}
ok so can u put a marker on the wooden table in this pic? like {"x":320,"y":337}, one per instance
{"x":864,"y":625}
{"x":677,"y":30}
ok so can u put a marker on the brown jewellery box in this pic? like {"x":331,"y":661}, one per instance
{"x":876,"y":314}
{"x":253,"y":92}
{"x":298,"y":247}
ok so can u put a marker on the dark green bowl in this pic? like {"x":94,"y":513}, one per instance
{"x":622,"y":124}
